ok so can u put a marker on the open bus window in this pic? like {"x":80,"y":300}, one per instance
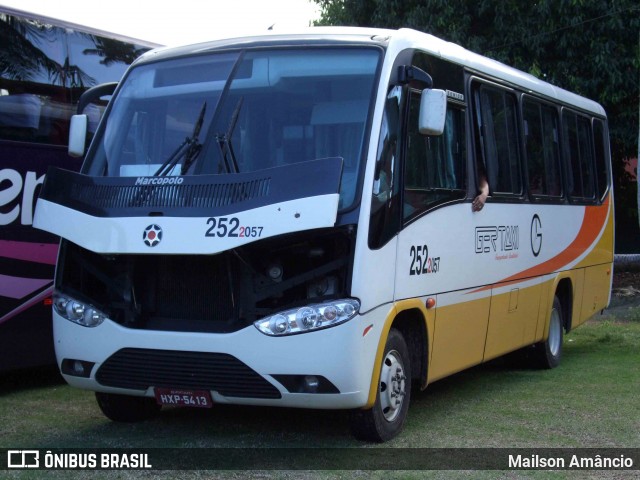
{"x":435,"y":166}
{"x":496,"y":113}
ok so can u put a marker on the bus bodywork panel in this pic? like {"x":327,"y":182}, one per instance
{"x":187,"y":236}
{"x":505,"y":245}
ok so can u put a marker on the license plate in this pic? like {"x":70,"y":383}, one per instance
{"x":183,"y":398}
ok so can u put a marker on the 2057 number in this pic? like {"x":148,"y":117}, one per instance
{"x":230,"y":227}
{"x":421,"y":263}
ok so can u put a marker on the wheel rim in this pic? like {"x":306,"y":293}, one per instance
{"x":555,"y":333}
{"x":392,"y":386}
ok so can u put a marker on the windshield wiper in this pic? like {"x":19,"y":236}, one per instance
{"x":224,"y":141}
{"x":189,"y":149}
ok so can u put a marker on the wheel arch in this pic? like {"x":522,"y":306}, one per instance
{"x":564,"y":292}
{"x":409,"y":317}
{"x":411,"y":323}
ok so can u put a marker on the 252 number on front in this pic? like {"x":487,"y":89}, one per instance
{"x":230,"y":227}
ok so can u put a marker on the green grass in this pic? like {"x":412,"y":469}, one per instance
{"x":590,"y":400}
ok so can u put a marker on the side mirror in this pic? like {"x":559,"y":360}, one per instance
{"x":79,"y":123}
{"x":433,"y":112}
{"x":77,"y":135}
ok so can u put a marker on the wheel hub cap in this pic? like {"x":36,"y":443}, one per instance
{"x":392,"y":386}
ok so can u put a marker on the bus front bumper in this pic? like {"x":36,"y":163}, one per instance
{"x":326,"y":369}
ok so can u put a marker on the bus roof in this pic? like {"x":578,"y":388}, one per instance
{"x":394,"y":41}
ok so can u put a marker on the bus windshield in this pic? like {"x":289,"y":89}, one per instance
{"x":240,"y":111}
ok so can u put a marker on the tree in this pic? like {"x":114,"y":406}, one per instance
{"x":586,"y":46}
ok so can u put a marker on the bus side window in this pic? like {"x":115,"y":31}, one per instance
{"x":542,"y":149}
{"x":434,"y":165}
{"x":578,"y":149}
{"x":34,"y":100}
{"x":602,"y":156}
{"x":19,"y":116}
{"x":498,"y":127}
{"x":385,"y":217}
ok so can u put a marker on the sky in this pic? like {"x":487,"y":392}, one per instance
{"x":163,"y":23}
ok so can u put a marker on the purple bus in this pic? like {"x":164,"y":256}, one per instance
{"x":45,"y":66}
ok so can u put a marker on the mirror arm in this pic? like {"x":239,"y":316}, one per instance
{"x":413,"y":75}
{"x":94,"y":93}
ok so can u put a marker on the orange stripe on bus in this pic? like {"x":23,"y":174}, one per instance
{"x":592,"y":224}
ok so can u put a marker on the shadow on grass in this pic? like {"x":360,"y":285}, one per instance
{"x":509,"y":376}
{"x":221,"y":426}
{"x":479,"y":380}
{"x":28,"y":379}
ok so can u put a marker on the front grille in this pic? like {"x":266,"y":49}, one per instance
{"x":139,"y":369}
{"x":191,"y":195}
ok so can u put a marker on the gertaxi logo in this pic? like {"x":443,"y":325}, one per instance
{"x":23,"y":459}
{"x":152,"y":235}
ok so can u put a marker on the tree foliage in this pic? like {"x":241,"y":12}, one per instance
{"x":590,"y":47}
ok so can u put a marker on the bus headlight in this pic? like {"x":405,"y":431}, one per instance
{"x":76,"y":311}
{"x":309,"y":317}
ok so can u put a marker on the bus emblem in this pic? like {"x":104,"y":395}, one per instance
{"x":536,"y":235}
{"x":152,"y":235}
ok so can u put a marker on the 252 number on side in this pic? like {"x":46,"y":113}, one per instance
{"x":421,"y":262}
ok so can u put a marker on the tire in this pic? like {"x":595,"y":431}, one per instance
{"x":548,"y":353}
{"x":125,"y":408}
{"x":386,"y":418}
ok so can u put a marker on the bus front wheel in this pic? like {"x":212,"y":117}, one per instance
{"x":549,"y":352}
{"x":125,"y":408}
{"x":385,"y":419}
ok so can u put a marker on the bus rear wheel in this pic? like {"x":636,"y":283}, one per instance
{"x":386,"y":418}
{"x":125,"y":408}
{"x":548,"y":353}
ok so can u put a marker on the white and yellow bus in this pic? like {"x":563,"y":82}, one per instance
{"x":289,"y":220}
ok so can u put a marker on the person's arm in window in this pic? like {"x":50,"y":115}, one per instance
{"x":483,"y":187}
